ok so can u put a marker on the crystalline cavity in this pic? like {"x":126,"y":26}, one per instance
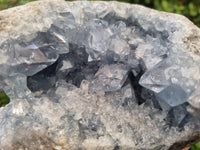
{"x":130,"y":56}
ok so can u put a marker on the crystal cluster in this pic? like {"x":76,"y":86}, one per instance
{"x":97,"y":75}
{"x":112,"y":55}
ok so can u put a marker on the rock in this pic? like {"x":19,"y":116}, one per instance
{"x":98,"y":75}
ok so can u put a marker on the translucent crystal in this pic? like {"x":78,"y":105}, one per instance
{"x":173,"y":95}
{"x":178,"y":116}
{"x":109,"y":78}
{"x":170,"y":82}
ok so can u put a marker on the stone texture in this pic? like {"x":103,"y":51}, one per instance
{"x":98,"y":75}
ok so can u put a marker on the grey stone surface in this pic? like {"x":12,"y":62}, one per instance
{"x":98,"y":75}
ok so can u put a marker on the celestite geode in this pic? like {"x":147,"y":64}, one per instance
{"x":98,"y":75}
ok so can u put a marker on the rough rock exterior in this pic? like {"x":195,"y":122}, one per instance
{"x":98,"y":75}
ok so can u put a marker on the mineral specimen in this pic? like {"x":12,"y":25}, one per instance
{"x":98,"y":75}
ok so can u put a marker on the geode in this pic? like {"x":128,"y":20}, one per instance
{"x":98,"y":75}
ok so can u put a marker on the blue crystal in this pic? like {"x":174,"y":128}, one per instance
{"x":173,"y":95}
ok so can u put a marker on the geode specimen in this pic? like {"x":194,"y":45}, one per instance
{"x":98,"y":75}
